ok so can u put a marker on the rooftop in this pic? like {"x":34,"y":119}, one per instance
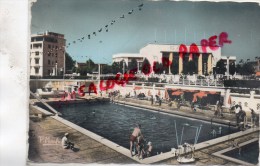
{"x":127,"y":55}
{"x":47,"y":33}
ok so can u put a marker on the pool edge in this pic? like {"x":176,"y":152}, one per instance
{"x":221,"y":152}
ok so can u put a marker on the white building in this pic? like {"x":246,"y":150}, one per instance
{"x":156,"y":52}
{"x":128,"y":57}
{"x":227,"y":61}
{"x":47,"y":55}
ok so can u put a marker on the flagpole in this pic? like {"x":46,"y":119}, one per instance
{"x":185,"y":36}
{"x":174,"y":36}
{"x":64,"y":68}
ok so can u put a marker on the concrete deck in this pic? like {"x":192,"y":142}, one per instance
{"x":45,"y":145}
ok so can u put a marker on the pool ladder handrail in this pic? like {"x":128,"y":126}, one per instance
{"x":46,"y":104}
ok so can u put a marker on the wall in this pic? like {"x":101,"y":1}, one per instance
{"x":247,"y":101}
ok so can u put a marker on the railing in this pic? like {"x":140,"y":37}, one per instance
{"x":202,"y":83}
{"x":44,"y":103}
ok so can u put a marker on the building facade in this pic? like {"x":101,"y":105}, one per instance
{"x":128,"y":57}
{"x":203,"y":62}
{"x":47,"y":55}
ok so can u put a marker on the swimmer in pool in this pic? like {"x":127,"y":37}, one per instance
{"x":153,"y":117}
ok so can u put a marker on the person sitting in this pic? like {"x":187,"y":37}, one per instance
{"x":254,"y":117}
{"x":65,"y":143}
{"x":133,"y":137}
{"x":236,"y":146}
{"x":149,"y":149}
{"x":214,"y":133}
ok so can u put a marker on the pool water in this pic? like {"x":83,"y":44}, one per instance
{"x":116,"y":123}
{"x":249,"y":153}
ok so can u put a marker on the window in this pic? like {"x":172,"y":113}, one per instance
{"x":49,"y":54}
{"x":246,"y":104}
{"x":37,"y":61}
{"x":49,"y":46}
{"x":36,"y":70}
{"x":37,"y":53}
{"x":38,"y":45}
{"x":52,"y":62}
{"x":49,"y":62}
{"x":31,"y":46}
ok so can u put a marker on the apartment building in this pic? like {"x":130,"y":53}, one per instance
{"x":47,"y":55}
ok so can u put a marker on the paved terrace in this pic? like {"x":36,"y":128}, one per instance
{"x":45,"y":135}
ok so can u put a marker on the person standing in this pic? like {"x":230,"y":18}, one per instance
{"x":133,"y":137}
{"x":237,"y":110}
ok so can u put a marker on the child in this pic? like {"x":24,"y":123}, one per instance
{"x":149,"y":149}
{"x":140,"y":147}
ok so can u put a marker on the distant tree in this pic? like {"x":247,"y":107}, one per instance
{"x":115,"y":67}
{"x":157,"y":68}
{"x":69,"y":62}
{"x":132,"y":65}
{"x":239,"y":69}
{"x":106,"y":69}
{"x":83,"y":71}
{"x":146,"y":67}
{"x":220,"y":67}
{"x":245,"y":68}
{"x":248,"y":69}
{"x":91,"y":65}
{"x":232,"y":68}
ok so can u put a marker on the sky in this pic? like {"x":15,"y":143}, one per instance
{"x":160,"y":21}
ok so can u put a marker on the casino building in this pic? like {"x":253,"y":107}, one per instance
{"x":203,"y":62}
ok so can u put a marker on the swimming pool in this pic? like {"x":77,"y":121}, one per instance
{"x":116,"y":122}
{"x":249,"y":153}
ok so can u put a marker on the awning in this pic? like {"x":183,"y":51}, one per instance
{"x":212,"y":92}
{"x":177,"y":93}
{"x":137,"y":88}
{"x":200,"y":94}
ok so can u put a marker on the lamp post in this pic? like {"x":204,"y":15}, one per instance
{"x":56,"y":68}
{"x":228,"y":67}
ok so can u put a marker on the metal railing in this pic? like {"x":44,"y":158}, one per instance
{"x":46,"y":104}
